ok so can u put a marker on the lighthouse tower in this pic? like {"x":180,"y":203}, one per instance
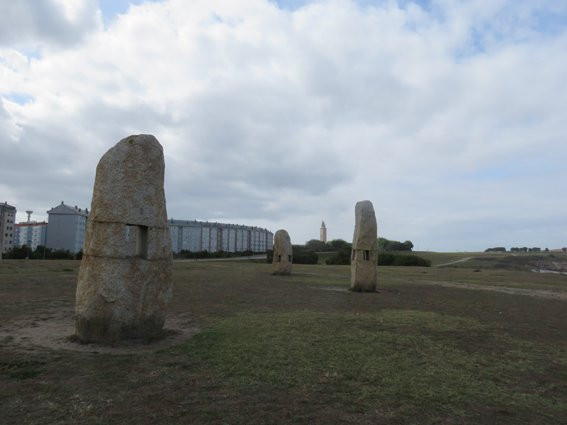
{"x":323,"y":233}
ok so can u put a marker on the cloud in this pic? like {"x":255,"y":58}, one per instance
{"x":47,"y":23}
{"x":448,"y":117}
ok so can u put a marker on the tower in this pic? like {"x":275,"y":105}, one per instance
{"x":29,"y":213}
{"x":323,"y":233}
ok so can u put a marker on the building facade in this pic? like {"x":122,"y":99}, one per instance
{"x":7,"y":227}
{"x":66,"y":227}
{"x":197,"y":236}
{"x":31,"y":234}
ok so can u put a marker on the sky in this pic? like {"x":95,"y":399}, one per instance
{"x":450,"y":116}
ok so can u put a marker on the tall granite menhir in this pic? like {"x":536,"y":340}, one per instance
{"x":283,"y":254}
{"x":363,"y":274}
{"x":125,"y":279}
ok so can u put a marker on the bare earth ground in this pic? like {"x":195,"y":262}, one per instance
{"x":54,"y":332}
{"x":433,"y":345}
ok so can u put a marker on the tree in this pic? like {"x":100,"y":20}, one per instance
{"x":17,"y":253}
{"x":339,"y":243}
{"x":388,"y":245}
{"x":341,"y":257}
{"x":302,"y":255}
{"x":496,"y":249}
{"x":316,"y":245}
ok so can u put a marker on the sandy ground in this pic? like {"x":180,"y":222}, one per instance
{"x":54,"y":331}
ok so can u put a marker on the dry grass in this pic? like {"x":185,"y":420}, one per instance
{"x":301,"y":349}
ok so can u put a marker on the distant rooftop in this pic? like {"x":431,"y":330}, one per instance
{"x":62,"y":208}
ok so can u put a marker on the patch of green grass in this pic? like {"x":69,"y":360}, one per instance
{"x":405,"y":362}
{"x":21,"y":369}
{"x":299,"y":349}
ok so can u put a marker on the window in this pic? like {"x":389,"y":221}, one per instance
{"x":289,"y":258}
{"x":279,"y":258}
{"x":137,"y":238}
{"x":367,"y":255}
{"x":142,"y":242}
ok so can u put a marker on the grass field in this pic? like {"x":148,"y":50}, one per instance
{"x":439,"y":345}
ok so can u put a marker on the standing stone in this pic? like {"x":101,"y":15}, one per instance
{"x":125,"y":278}
{"x":283,"y":255}
{"x":363,"y":274}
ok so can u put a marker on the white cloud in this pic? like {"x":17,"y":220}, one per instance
{"x":282,"y":118}
{"x":39,"y":24}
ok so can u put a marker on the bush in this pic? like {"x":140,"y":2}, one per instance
{"x":342,"y":256}
{"x":17,"y":253}
{"x":316,"y":245}
{"x":304,"y":256}
{"x":496,"y":249}
{"x":391,"y":259}
{"x":388,"y":245}
{"x":22,"y":252}
{"x":206,"y":254}
{"x":301,"y":255}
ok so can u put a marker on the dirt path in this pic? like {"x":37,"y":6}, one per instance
{"x":462,"y":260}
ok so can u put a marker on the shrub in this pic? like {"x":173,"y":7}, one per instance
{"x":304,"y":256}
{"x":341,"y":257}
{"x":496,"y":249}
{"x":391,"y":259}
{"x":301,"y":255}
{"x":206,"y":254}
{"x":388,"y":245}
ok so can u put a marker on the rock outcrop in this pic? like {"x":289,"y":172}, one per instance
{"x":125,"y":278}
{"x":283,"y":255}
{"x":363,"y":271}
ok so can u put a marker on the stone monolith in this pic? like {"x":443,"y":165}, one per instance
{"x":283,"y":255}
{"x":363,"y":273}
{"x":125,"y":278}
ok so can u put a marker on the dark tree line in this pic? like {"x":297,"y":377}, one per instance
{"x":515,"y":249}
{"x":40,"y":253}
{"x":390,"y":253}
{"x":206,"y":254}
{"x":301,"y":255}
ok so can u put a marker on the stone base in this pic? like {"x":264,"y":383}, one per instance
{"x":364,"y":276}
{"x":282,"y":269}
{"x":108,"y":331}
{"x":121,"y":298}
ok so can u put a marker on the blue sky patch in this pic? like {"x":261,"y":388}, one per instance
{"x":19,"y":98}
{"x":112,"y":8}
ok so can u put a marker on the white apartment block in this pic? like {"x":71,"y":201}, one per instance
{"x":66,"y":227}
{"x":7,"y":227}
{"x":197,"y":236}
{"x":31,"y":234}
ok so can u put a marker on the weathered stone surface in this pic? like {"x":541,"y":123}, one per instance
{"x":364,"y":258}
{"x":125,"y":278}
{"x":283,"y":255}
